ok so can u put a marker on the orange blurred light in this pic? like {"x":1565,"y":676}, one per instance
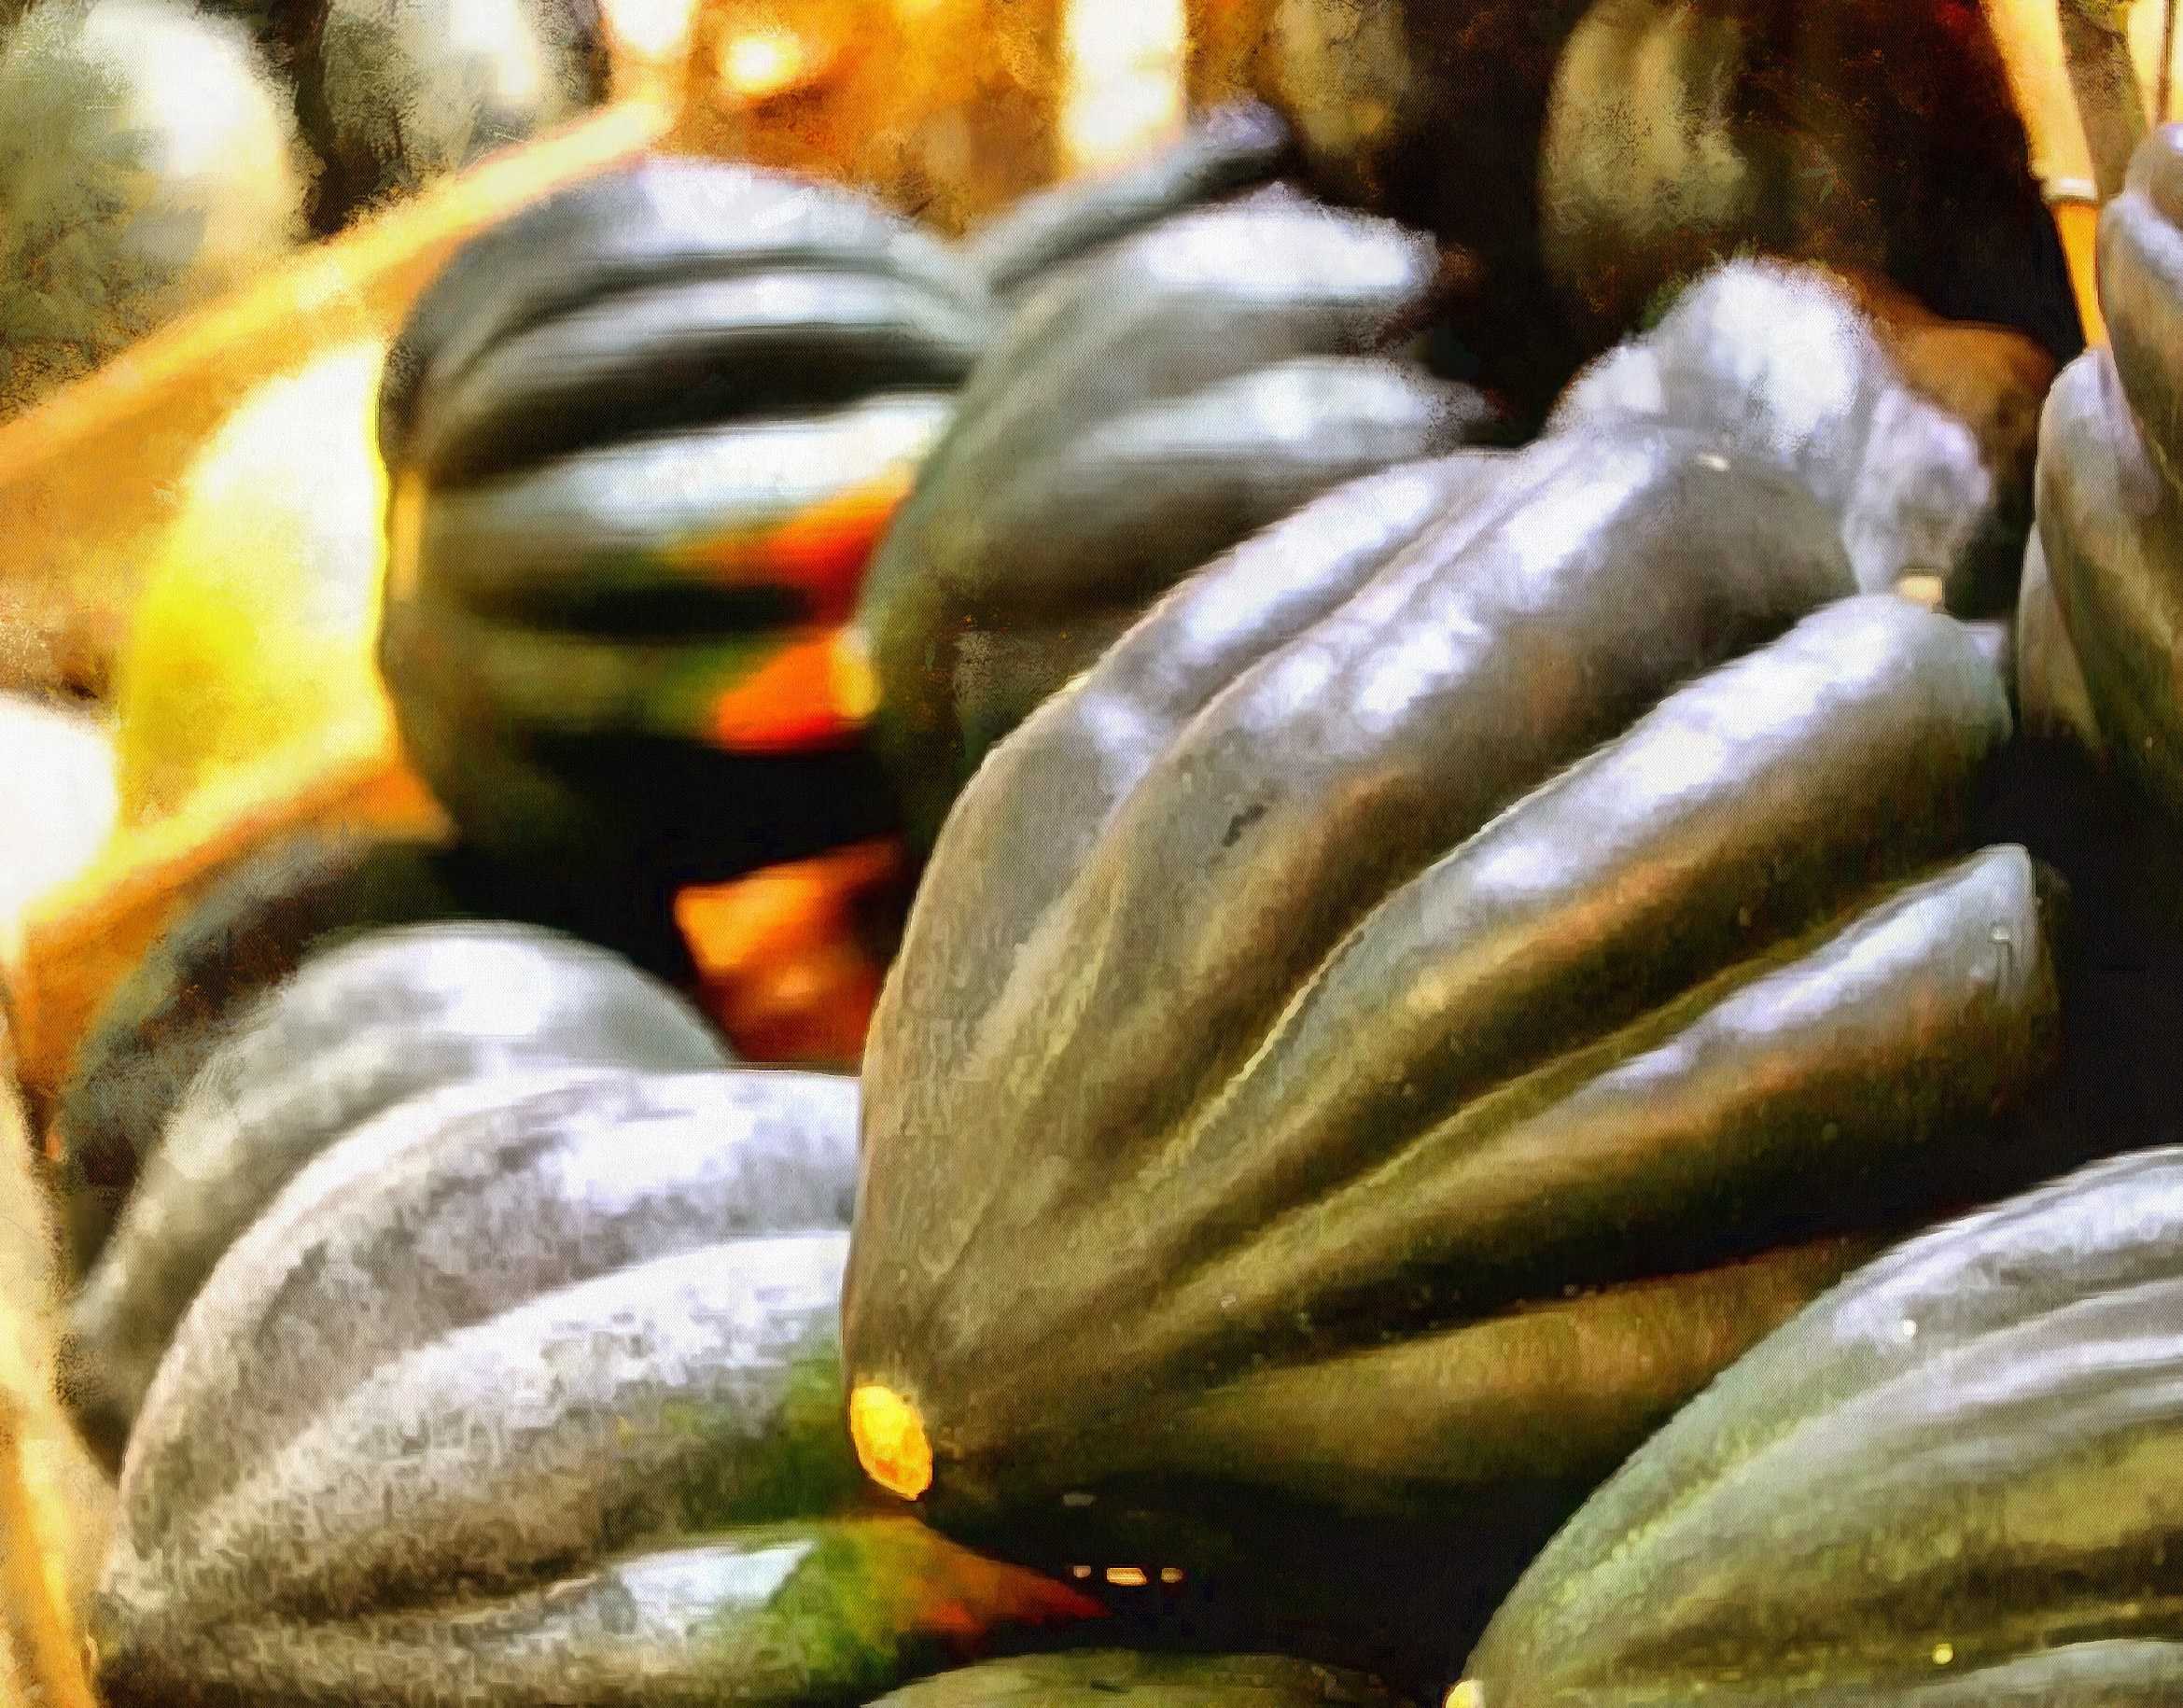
{"x":759,"y":64}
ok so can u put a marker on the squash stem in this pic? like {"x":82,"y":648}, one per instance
{"x":43,"y":1626}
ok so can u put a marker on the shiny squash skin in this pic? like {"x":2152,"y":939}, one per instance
{"x":1951,"y":1480}
{"x":1918,"y":435}
{"x":1502,"y":961}
{"x":1145,"y":405}
{"x":2111,"y":484}
{"x":2100,"y":634}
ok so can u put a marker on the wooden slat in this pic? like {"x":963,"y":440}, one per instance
{"x":78,"y":944}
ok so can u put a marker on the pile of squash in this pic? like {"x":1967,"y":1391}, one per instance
{"x":1522,"y":1067}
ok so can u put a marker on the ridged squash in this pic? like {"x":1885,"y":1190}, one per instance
{"x":1929,"y":480}
{"x":362,"y":1028}
{"x":1145,"y":406}
{"x":524,"y":1389}
{"x":1463,"y":968}
{"x":641,"y":438}
{"x":2111,"y":485}
{"x":1951,"y":1480}
{"x":1097,"y":1679}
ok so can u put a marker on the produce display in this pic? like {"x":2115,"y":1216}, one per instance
{"x":1582,"y":744}
{"x":641,"y":439}
{"x":1951,"y":1481}
{"x":1523,"y":846}
{"x":1592,"y":152}
{"x":546,"y":1352}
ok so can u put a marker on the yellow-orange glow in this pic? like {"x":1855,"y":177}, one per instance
{"x":1128,"y":1577}
{"x":2076,"y":216}
{"x":1468,"y":1694}
{"x":890,"y":1442}
{"x":1125,"y":88}
{"x":650,"y":29}
{"x":760,"y":64}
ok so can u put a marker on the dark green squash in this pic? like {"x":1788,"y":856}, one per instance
{"x":1783,"y":360}
{"x":1157,"y":1681}
{"x":1951,"y":1480}
{"x":642,"y":438}
{"x":527,"y":1391}
{"x":1145,"y":406}
{"x":362,"y":1030}
{"x":2111,"y":484}
{"x":1371,"y":1048}
{"x":250,"y":930}
{"x":2100,"y":630}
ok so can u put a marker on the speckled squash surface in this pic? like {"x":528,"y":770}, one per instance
{"x":357,"y":1034}
{"x":527,"y":1391}
{"x":1951,"y":1480}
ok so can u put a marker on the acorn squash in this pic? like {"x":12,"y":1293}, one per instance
{"x":1168,"y":1681}
{"x":1229,"y":150}
{"x":640,"y":440}
{"x":363,"y":1028}
{"x":248,"y":934}
{"x":2100,"y":625}
{"x":1783,"y":360}
{"x":1496,"y":944}
{"x":2111,"y":486}
{"x":1144,"y":407}
{"x":1951,"y":1480}
{"x":525,"y":1390}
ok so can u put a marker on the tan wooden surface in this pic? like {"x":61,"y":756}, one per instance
{"x":79,"y":943}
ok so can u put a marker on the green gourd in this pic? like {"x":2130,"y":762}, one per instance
{"x":641,"y":439}
{"x":525,"y":1390}
{"x":363,"y":1028}
{"x":1951,"y":1480}
{"x":1160,"y":1680}
{"x":1783,"y":360}
{"x":1149,"y":401}
{"x":1497,"y":943}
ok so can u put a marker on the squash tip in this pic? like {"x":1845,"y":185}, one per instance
{"x":1468,"y":1694}
{"x":891,"y":1440}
